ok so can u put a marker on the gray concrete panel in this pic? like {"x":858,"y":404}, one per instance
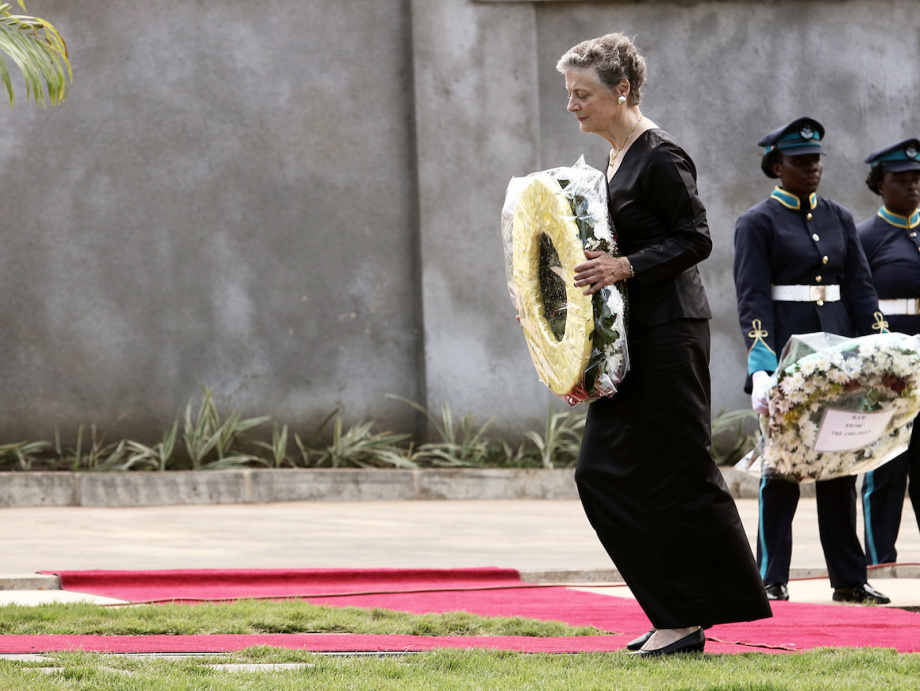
{"x":332,"y":485}
{"x":478,"y":125}
{"x":39,"y":489}
{"x":721,"y":74}
{"x":225,"y":200}
{"x":162,"y":489}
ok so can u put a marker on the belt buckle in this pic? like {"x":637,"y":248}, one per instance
{"x":913,"y":306}
{"x":817,"y":293}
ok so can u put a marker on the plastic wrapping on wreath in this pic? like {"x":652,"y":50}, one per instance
{"x":577,"y":343}
{"x":840,"y":406}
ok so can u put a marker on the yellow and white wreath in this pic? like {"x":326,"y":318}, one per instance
{"x":577,"y":342}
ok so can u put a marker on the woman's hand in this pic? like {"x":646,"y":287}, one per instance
{"x":601,"y":270}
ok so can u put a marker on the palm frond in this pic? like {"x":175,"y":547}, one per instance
{"x":40,"y":53}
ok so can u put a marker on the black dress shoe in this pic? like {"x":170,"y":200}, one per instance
{"x":691,"y":643}
{"x":640,"y":641}
{"x":777,"y":591}
{"x":863,"y":594}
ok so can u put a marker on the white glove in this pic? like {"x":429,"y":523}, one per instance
{"x":760,"y":394}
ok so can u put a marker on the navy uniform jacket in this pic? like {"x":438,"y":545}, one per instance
{"x":892,"y":246}
{"x":785,"y":241}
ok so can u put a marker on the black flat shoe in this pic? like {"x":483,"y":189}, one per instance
{"x":777,"y":591}
{"x":640,"y":641}
{"x":691,"y":643}
{"x":863,"y":594}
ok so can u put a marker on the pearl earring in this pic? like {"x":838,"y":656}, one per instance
{"x":621,"y":100}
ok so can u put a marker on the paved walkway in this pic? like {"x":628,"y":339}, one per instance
{"x":547,"y":540}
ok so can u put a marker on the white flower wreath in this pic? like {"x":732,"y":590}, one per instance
{"x":840,"y":406}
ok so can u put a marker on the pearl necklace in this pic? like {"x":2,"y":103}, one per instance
{"x":615,"y":153}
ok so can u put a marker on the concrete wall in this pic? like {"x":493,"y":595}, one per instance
{"x":227,"y":198}
{"x":721,"y":74}
{"x":296,"y":203}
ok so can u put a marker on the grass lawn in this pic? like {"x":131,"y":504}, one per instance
{"x":273,"y":668}
{"x":500,"y":671}
{"x":262,"y":617}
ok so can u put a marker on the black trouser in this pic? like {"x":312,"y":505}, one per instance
{"x":836,"y":499}
{"x":883,"y":501}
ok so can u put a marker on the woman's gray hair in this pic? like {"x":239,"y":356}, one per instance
{"x":614,"y":57}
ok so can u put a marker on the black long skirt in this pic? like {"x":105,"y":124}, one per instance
{"x":654,"y":495}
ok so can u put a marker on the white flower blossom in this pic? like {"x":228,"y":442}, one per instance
{"x":808,"y":365}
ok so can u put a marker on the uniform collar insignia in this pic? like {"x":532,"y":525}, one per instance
{"x":790,"y":201}
{"x":898,"y":220}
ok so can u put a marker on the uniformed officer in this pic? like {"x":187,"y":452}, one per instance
{"x":799,"y":268}
{"x":892,"y":247}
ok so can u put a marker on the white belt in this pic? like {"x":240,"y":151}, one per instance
{"x":806,"y":293}
{"x":900,"y":306}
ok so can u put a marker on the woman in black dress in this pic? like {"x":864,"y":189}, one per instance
{"x":645,"y":474}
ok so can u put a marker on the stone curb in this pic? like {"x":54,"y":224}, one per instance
{"x":587,"y":577}
{"x":256,"y":486}
{"x":572,"y":578}
{"x":31,"y":581}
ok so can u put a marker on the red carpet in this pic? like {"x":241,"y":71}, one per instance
{"x":233,"y":584}
{"x":487,"y":591}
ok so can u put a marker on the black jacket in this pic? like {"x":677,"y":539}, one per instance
{"x":661,"y":227}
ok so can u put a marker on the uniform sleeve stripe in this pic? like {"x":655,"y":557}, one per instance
{"x":760,"y":357}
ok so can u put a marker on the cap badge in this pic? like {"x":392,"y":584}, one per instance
{"x":911,"y":152}
{"x":807,"y":133}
